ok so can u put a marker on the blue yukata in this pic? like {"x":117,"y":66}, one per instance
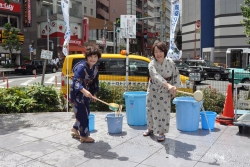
{"x":86,"y":78}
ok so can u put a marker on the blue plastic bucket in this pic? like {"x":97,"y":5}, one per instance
{"x":211,"y":116}
{"x":91,"y":122}
{"x":135,"y":107}
{"x":114,"y":123}
{"x":187,"y":113}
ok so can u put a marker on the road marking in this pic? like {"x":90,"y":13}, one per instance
{"x":27,"y":82}
{"x":4,"y":83}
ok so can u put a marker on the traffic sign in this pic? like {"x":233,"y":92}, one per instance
{"x":46,"y":54}
{"x":198,"y":24}
{"x":118,"y":22}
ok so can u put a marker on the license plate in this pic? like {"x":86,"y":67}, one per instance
{"x":19,"y":67}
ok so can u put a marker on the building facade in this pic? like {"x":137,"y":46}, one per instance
{"x":11,"y":13}
{"x":220,"y":28}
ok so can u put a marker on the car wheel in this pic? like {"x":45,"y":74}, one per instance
{"x":217,"y":76}
{"x":246,"y":81}
{"x":54,"y":70}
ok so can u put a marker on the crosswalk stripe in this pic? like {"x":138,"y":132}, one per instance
{"x":27,"y":82}
{"x":50,"y":80}
{"x":4,"y":83}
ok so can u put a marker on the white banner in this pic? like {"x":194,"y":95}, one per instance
{"x":173,"y":51}
{"x":65,"y":11}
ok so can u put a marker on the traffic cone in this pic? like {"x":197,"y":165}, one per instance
{"x":227,"y":117}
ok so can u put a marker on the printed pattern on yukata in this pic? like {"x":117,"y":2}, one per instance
{"x":158,"y":97}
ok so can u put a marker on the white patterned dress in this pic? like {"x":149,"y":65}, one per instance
{"x":158,"y":97}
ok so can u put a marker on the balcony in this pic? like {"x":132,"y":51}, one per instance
{"x":104,"y":2}
{"x":150,"y":13}
{"x":150,"y":4}
{"x":150,"y":23}
{"x":103,"y":13}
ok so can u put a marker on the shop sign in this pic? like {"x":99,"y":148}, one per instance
{"x":13,"y":7}
{"x":27,"y":13}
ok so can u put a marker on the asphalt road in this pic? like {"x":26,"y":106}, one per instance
{"x":24,"y":80}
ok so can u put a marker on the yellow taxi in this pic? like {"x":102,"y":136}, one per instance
{"x":112,"y":69}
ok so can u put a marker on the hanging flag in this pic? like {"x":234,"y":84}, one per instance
{"x":173,"y":51}
{"x":65,"y":11}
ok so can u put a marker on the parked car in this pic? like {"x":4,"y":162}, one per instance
{"x":184,"y":69}
{"x":35,"y":66}
{"x":240,"y":76}
{"x":212,"y":70}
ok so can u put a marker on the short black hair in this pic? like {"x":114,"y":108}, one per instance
{"x":161,"y":46}
{"x":93,"y":50}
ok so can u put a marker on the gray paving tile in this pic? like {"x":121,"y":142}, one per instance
{"x":36,"y":149}
{"x":224,"y":164}
{"x":142,"y":165}
{"x":187,"y":146}
{"x":67,"y":157}
{"x":14,"y":140}
{"x":171,"y":158}
{"x":42,"y":132}
{"x":10,"y":159}
{"x":108,"y":162}
{"x":1,"y":150}
{"x":202,"y":135}
{"x":34,"y":163}
{"x":226,"y":153}
{"x":234,"y":139}
{"x":63,"y":138}
{"x":234,"y":130}
{"x":134,"y":152}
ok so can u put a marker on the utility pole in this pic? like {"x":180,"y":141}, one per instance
{"x":45,"y":60}
{"x":114,"y":37}
{"x":105,"y":35}
{"x":161,"y":16}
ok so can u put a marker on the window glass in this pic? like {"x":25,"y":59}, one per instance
{"x":112,"y":66}
{"x":3,"y":20}
{"x":13,"y":21}
{"x":138,"y":68}
{"x":47,"y":5}
{"x":75,"y":9}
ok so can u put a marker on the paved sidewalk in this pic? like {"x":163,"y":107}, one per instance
{"x":43,"y":139}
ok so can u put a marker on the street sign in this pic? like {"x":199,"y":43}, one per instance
{"x":118,"y":23}
{"x":198,"y":26}
{"x":128,"y":26}
{"x":46,"y":54}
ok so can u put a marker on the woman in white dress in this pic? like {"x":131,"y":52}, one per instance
{"x":164,"y":79}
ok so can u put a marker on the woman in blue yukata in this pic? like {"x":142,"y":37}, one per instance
{"x":84,"y":86}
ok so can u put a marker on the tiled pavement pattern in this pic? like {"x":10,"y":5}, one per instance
{"x":43,"y":139}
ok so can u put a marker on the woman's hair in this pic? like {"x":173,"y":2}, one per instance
{"x":93,"y":50}
{"x":161,"y":46}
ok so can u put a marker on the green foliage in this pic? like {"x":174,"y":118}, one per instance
{"x":35,"y":98}
{"x":7,"y":1}
{"x":26,"y":58}
{"x":12,"y":40}
{"x":246,"y":18}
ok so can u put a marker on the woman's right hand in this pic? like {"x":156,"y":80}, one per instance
{"x":87,"y":93}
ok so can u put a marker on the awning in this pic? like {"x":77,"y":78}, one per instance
{"x":77,"y":48}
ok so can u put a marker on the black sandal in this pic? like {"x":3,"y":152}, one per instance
{"x":148,"y":133}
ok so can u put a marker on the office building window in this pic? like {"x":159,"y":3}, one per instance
{"x":91,"y":12}
{"x":85,"y":10}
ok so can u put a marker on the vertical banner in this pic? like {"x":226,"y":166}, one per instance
{"x":173,"y":51}
{"x":65,"y":11}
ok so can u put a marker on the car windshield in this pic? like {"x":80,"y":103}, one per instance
{"x":247,"y":67}
{"x":181,"y":64}
{"x":211,"y":64}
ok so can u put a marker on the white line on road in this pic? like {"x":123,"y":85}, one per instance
{"x":50,"y":80}
{"x":27,"y":82}
{"x":4,"y":83}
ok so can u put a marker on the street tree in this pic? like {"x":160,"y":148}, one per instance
{"x":7,"y":1}
{"x":246,"y":18}
{"x":178,"y":40}
{"x":11,"y":39}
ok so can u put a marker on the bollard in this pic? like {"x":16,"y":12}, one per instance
{"x":34,"y":72}
{"x":7,"y":83}
{"x":56,"y":81}
{"x":3,"y":76}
